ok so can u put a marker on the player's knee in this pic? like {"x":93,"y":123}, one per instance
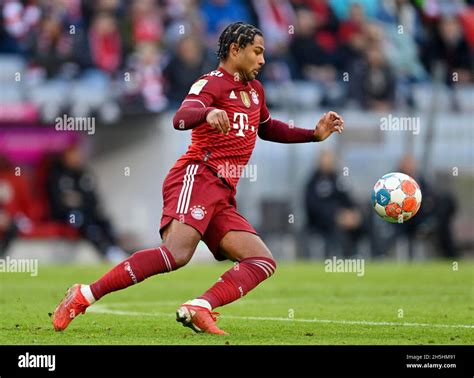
{"x":181,"y":257}
{"x":181,"y":240}
{"x":266,"y":255}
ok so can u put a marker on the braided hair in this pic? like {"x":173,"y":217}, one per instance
{"x":238,"y":32}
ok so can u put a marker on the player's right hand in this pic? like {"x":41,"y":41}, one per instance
{"x":218,"y":120}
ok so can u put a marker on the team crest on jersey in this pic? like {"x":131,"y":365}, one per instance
{"x":245,"y":98}
{"x":198,"y":212}
{"x":254,"y":95}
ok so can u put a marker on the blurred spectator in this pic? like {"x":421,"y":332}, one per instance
{"x":18,"y":21}
{"x":316,"y":50}
{"x":331,"y":211}
{"x":188,"y":62}
{"x":68,"y":12}
{"x":52,"y":47}
{"x":403,"y":57}
{"x":353,"y":41}
{"x":433,"y":9}
{"x":436,"y":214}
{"x":453,"y":50}
{"x":372,"y":85}
{"x":354,"y":23}
{"x":467,"y":19}
{"x":73,"y":199}
{"x":343,"y":8}
{"x":308,"y":55}
{"x":108,"y":6}
{"x":275,"y":17}
{"x":217,"y":14}
{"x":327,"y":26}
{"x":183,"y":17}
{"x":400,"y":13}
{"x":146,"y":22}
{"x":116,"y":8}
{"x":105,"y":43}
{"x":14,"y":204}
{"x":276,"y":20}
{"x":177,"y":9}
{"x":147,"y":84}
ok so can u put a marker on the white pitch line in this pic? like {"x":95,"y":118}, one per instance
{"x":100,"y":309}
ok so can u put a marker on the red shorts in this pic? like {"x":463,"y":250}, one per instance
{"x":194,"y":195}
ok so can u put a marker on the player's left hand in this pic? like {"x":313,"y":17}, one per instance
{"x":329,"y":123}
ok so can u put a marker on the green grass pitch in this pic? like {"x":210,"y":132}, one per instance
{"x":394,"y":304}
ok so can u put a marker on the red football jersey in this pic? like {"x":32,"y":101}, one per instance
{"x":245,"y":106}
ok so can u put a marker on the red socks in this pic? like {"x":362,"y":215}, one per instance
{"x":239,"y":280}
{"x":136,"y":268}
{"x":232,"y":285}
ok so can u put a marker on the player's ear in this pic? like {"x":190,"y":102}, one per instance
{"x":234,"y":49}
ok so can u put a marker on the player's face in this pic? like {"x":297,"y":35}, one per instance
{"x":250,"y":59}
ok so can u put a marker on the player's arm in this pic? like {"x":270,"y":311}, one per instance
{"x":281,"y":132}
{"x":190,"y":115}
{"x":197,"y":109}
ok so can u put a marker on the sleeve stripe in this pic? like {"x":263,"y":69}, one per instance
{"x":202,"y":103}
{"x":266,"y":120}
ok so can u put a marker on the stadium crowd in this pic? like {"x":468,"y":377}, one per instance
{"x":143,"y":56}
{"x":150,"y":51}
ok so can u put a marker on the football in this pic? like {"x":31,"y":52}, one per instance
{"x":396,"y":197}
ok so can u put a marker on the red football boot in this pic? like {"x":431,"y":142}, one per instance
{"x":72,"y":305}
{"x":199,"y":319}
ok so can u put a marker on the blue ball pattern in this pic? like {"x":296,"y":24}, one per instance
{"x":383,"y":197}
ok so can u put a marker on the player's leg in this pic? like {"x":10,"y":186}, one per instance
{"x":254,"y":264}
{"x":190,"y":193}
{"x":179,"y":243}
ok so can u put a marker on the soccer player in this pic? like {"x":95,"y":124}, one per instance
{"x":226,"y":110}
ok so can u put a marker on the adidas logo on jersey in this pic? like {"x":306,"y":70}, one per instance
{"x":232,"y":95}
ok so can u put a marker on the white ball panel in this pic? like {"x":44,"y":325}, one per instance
{"x":403,"y":176}
{"x":380,"y":210}
{"x":378,"y":185}
{"x":397,"y":196}
{"x":392,"y":183}
{"x":418,"y":195}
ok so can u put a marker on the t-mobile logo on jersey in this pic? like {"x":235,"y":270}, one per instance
{"x":241,"y":122}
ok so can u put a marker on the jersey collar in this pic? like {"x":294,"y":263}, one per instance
{"x":230,"y":77}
